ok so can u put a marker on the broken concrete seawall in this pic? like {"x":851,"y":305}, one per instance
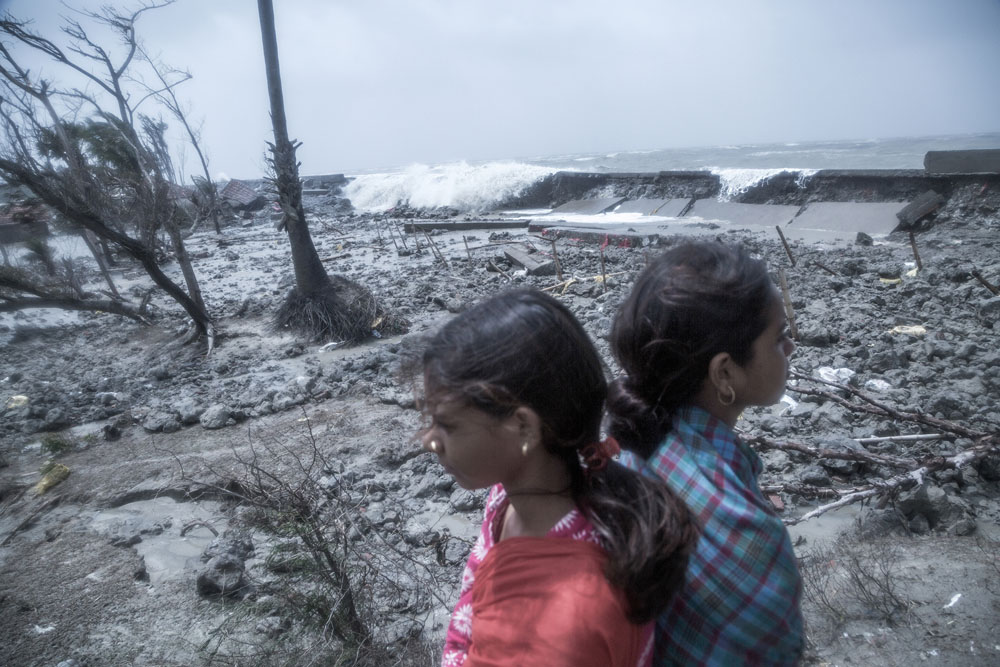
{"x":786,"y":187}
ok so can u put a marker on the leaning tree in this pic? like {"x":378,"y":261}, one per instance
{"x":88,"y":152}
{"x":320,"y":305}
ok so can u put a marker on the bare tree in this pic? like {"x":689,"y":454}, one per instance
{"x":320,"y":305}
{"x":107,"y":173}
{"x":168,"y":98}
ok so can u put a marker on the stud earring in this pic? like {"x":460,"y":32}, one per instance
{"x":524,"y":448}
{"x":434,"y":446}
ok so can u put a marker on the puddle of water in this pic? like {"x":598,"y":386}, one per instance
{"x":456,"y":524}
{"x":825,"y":527}
{"x":169,"y":555}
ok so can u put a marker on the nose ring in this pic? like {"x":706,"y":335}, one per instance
{"x":434,"y":446}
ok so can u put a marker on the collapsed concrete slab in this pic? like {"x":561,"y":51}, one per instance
{"x":670,"y":208}
{"x":589,"y":206}
{"x":979,"y":161}
{"x":843,"y":220}
{"x":743,"y":215}
{"x":920,"y":208}
{"x":536,"y":264}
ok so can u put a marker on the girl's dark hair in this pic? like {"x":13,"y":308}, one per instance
{"x":692,"y":302}
{"x":525,"y":348}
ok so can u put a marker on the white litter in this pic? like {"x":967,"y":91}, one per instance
{"x":830,"y":374}
{"x":954,"y":599}
{"x":39,"y":630}
{"x":877,"y":385}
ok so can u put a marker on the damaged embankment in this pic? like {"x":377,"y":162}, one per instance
{"x":786,"y":187}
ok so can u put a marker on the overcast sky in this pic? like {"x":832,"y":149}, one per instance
{"x":382,"y":83}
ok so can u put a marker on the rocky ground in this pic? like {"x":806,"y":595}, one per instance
{"x":149,"y":441}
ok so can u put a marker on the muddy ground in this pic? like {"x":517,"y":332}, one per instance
{"x":103,"y":568}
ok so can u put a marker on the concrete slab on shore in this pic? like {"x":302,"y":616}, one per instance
{"x":743,"y":215}
{"x":978,"y":161}
{"x":669,"y":208}
{"x":589,"y":206}
{"x":620,"y":233}
{"x":464,"y":225}
{"x":843,"y":220}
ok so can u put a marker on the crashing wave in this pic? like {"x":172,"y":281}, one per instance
{"x":457,"y":185}
{"x":735,"y":182}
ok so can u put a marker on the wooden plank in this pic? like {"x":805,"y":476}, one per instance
{"x":536,"y":265}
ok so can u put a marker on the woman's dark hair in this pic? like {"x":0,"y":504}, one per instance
{"x":525,"y":348}
{"x":692,"y":302}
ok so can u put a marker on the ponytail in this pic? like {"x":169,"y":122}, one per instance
{"x":648,"y":532}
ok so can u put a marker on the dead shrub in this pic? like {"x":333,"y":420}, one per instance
{"x":851,"y":578}
{"x":334,"y":589}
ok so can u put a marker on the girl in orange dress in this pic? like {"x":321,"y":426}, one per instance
{"x":577,"y":554}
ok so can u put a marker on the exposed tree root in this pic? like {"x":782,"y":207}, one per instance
{"x":341,"y":311}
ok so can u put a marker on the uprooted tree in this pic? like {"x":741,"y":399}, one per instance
{"x":89,"y":154}
{"x":321,"y":306}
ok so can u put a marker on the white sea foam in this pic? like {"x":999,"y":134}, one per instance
{"x":457,"y":185}
{"x":735,"y":182}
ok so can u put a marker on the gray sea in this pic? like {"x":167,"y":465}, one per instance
{"x":470,"y":186}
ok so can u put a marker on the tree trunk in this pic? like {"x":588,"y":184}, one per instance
{"x":78,"y":212}
{"x":184,"y":260}
{"x":99,"y":258}
{"x":310,"y":276}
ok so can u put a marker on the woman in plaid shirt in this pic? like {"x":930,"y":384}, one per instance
{"x":577,"y":555}
{"x":702,"y":336}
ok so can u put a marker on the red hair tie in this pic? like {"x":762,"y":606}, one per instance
{"x":596,"y":455}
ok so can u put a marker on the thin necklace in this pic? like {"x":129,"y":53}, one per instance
{"x":538,"y":492}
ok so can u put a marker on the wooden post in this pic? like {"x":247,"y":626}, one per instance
{"x":555,"y":256}
{"x":467,"y":251}
{"x":789,"y":310}
{"x":435,"y":251}
{"x":916,"y":255}
{"x":402,"y":237}
{"x":604,"y":275}
{"x":393,"y":237}
{"x":825,"y":268}
{"x":788,"y":251}
{"x":985,"y":283}
{"x":499,"y":270}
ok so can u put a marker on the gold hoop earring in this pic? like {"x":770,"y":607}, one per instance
{"x":524,"y":448}
{"x":434,"y":446}
{"x":732,"y":397}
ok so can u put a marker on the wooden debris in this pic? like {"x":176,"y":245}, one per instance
{"x":555,"y":257}
{"x":985,"y":283}
{"x":493,"y":267}
{"x":789,"y":310}
{"x":604,"y":275}
{"x":916,"y":254}
{"x":435,"y":251}
{"x":825,"y":268}
{"x":467,"y":251}
{"x":784,"y":242}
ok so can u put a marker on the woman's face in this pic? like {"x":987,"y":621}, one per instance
{"x":764,"y":376}
{"x":473,"y":446}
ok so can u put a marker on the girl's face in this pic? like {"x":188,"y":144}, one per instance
{"x":475,"y":447}
{"x":764,"y":376}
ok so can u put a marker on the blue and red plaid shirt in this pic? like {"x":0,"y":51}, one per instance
{"x":740,"y":601}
